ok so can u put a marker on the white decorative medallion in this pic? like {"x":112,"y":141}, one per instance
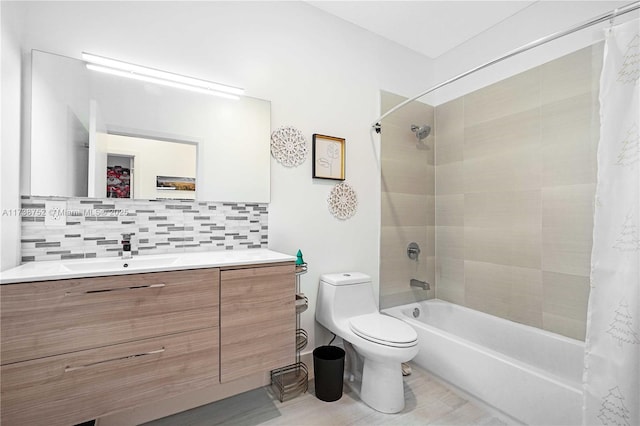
{"x":343,"y":201}
{"x":288,"y":146}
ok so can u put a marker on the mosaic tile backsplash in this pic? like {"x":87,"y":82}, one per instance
{"x":92,"y":227}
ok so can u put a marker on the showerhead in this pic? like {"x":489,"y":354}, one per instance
{"x":421,"y":131}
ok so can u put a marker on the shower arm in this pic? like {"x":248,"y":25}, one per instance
{"x":377,"y":126}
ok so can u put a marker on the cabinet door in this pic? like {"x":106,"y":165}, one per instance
{"x":257,"y":320}
{"x":76,"y":387}
{"x":54,"y":317}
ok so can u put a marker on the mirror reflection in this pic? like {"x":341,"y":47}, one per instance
{"x":147,"y":168}
{"x":101,"y":135}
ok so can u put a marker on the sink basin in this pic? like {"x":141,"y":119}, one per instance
{"x":119,"y":264}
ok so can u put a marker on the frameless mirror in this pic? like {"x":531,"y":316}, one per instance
{"x":100,"y":135}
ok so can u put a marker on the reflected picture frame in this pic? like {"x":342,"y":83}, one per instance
{"x":180,"y":183}
{"x":328,"y":157}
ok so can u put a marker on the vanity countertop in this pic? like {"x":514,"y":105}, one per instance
{"x":80,"y":268}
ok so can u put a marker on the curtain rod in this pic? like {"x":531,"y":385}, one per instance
{"x":607,"y":16}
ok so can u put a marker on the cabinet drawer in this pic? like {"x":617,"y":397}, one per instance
{"x":55,"y":317}
{"x":72,"y":388}
{"x":257,"y":328}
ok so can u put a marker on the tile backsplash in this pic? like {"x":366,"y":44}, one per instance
{"x":93,"y":227}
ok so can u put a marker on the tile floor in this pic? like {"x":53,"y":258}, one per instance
{"x":429,"y":401}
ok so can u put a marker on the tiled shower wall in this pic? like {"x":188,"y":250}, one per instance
{"x":407,"y":199}
{"x":92,"y":227}
{"x":515,"y":184}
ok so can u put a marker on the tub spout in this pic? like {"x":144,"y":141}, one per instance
{"x":420,"y":284}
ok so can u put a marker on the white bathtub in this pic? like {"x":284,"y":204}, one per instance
{"x":530,"y":374}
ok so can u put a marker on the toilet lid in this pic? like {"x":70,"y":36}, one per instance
{"x":384,"y":329}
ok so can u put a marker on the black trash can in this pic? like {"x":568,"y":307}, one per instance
{"x":328,"y":367}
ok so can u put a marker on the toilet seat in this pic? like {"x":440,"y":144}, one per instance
{"x":384,"y":330}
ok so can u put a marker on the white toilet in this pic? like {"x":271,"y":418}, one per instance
{"x":347,"y":308}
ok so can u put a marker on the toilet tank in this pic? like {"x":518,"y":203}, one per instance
{"x":345,"y":278}
{"x":344,"y":295}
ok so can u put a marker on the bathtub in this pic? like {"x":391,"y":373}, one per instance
{"x":530,"y":374}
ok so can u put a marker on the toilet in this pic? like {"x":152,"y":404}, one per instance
{"x":347,"y":308}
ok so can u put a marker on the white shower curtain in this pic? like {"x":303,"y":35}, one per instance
{"x":612,"y":355}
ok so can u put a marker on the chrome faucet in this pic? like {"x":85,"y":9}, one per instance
{"x":126,"y":245}
{"x":419,"y":284}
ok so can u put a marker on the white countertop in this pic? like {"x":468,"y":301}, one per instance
{"x":78,"y":268}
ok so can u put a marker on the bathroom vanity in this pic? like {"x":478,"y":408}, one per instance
{"x":80,"y":344}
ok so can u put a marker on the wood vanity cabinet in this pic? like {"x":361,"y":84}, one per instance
{"x":257,"y":320}
{"x":76,"y":349}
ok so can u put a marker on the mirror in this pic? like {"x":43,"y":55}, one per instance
{"x":100,"y":135}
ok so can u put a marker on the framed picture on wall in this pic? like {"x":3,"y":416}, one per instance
{"x":328,"y":157}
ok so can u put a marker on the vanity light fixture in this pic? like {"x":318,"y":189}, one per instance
{"x":137,"y":72}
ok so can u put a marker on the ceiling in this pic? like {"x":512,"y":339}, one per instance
{"x":428,"y":27}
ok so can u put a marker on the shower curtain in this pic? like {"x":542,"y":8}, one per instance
{"x":612,"y":354}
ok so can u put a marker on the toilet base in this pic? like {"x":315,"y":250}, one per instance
{"x":382,"y":386}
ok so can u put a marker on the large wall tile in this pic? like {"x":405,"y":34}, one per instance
{"x":567,"y":76}
{"x":431,"y":212}
{"x":597,"y":57}
{"x":399,"y":143}
{"x":567,"y":227}
{"x":513,"y":95}
{"x":397,"y":269}
{"x":449,"y":210}
{"x":450,"y":280}
{"x":449,"y":132}
{"x":487,"y":288}
{"x":566,"y":295}
{"x":404,"y":209}
{"x":525,"y":304}
{"x":397,"y":238}
{"x":407,"y":202}
{"x":526,"y":172}
{"x":431,"y":237}
{"x":514,"y":170}
{"x":511,"y":209}
{"x":503,"y":134}
{"x":563,"y":325}
{"x":409,"y":177}
{"x":403,"y":297}
{"x":503,"y":154}
{"x":424,"y":269}
{"x":567,"y":135}
{"x":506,"y":291}
{"x":450,"y":241}
{"x":450,"y":178}
{"x":504,"y":246}
{"x":514,"y":186}
{"x":397,"y":137}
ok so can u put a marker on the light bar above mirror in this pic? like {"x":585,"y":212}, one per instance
{"x":137,"y":72}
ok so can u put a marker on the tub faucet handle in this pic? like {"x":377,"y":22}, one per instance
{"x":413,"y":251}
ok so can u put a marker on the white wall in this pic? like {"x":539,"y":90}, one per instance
{"x":321,"y":74}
